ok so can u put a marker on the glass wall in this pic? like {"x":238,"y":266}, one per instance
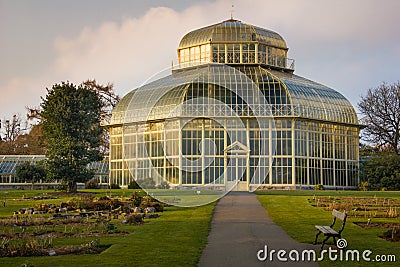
{"x":237,"y":53}
{"x":9,"y":163}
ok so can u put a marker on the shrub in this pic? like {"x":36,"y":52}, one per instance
{"x":92,"y":184}
{"x":319,"y":187}
{"x":148,"y":183}
{"x":133,"y":185}
{"x":115,"y":186}
{"x":135,"y":219}
{"x":136,"y":199}
{"x":110,"y":228}
{"x":157,"y":205}
{"x":30,"y":172}
{"x":163,"y":185}
{"x":382,"y":172}
{"x":363,"y":186}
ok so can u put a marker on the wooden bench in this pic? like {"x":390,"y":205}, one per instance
{"x":328,"y":231}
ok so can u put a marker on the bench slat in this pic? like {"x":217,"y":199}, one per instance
{"x":341,"y":216}
{"x":326,"y":230}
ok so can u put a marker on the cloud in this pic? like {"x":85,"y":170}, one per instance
{"x":333,"y":42}
{"x":129,"y":52}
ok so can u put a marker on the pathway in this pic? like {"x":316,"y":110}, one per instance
{"x":240,"y":228}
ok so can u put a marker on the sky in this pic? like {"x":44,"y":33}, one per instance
{"x":348,"y":45}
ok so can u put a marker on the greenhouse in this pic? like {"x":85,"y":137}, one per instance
{"x":9,"y":163}
{"x":232,"y":115}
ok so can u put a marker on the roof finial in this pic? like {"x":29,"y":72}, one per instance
{"x":232,"y":10}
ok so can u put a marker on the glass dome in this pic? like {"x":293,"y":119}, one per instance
{"x":232,"y":31}
{"x":234,"y":42}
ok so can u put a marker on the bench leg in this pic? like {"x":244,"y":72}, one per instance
{"x":323,"y":242}
{"x":316,"y":237}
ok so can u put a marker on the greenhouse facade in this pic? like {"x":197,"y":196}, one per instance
{"x":232,"y":115}
{"x":9,"y":164}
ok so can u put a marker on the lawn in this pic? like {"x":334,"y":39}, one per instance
{"x":295,"y":213}
{"x":176,"y":238}
{"x":179,"y":235}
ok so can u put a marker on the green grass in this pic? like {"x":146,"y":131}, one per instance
{"x":292,"y":211}
{"x":332,"y":193}
{"x":176,"y":238}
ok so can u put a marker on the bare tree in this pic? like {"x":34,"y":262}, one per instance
{"x":11,"y":128}
{"x":108,"y":97}
{"x":10,"y":131}
{"x":33,"y":114}
{"x":381,"y":111}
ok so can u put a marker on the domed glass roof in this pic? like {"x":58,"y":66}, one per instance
{"x":287,"y":95}
{"x":232,"y":31}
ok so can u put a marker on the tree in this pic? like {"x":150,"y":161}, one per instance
{"x":11,"y":129}
{"x":381,"y":172}
{"x":381,"y":111}
{"x":30,"y":172}
{"x":25,"y":144}
{"x":30,"y":143}
{"x":21,"y":137}
{"x":71,"y":130}
{"x":109,"y":99}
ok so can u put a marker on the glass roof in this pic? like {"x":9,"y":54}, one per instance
{"x":232,"y":31}
{"x":316,"y":101}
{"x":9,"y":163}
{"x":220,"y":90}
{"x":119,"y":111}
{"x":212,"y":85}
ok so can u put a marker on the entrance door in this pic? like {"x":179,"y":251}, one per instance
{"x":237,"y":161}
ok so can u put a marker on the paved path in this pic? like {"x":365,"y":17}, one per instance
{"x":240,"y":228}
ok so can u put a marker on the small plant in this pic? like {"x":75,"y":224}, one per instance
{"x":163,"y":185}
{"x":110,"y":228}
{"x":319,"y":187}
{"x":364,"y":186}
{"x":92,"y":184}
{"x":136,"y":199}
{"x":148,"y":183}
{"x":392,"y":235}
{"x":4,"y":243}
{"x":40,"y":230}
{"x":392,"y":212}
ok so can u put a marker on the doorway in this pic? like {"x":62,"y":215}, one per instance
{"x":236,"y":163}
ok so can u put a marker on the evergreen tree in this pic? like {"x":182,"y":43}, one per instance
{"x":72,"y":132}
{"x":382,"y":172}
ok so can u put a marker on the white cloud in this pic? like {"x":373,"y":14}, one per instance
{"x":328,"y":39}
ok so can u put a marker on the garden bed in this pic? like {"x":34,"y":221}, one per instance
{"x":35,"y":230}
